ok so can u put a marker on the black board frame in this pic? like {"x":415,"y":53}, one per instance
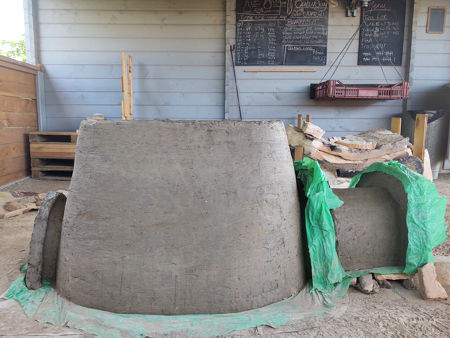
{"x":369,"y":52}
{"x":282,"y":26}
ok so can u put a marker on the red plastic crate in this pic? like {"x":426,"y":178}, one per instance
{"x":335,"y":89}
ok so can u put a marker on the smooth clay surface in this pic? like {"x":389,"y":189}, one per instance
{"x":371,"y":224}
{"x":44,"y":244}
{"x":181,"y":217}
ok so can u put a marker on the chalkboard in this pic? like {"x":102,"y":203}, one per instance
{"x":436,"y":20}
{"x":381,"y":34}
{"x":281,"y":32}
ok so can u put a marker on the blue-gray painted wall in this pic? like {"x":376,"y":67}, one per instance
{"x":180,"y":49}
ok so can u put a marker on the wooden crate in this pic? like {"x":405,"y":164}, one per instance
{"x":52,"y":154}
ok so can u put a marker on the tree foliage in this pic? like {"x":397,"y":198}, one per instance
{"x":13,"y":49}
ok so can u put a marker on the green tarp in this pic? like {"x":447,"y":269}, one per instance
{"x":425,"y":222}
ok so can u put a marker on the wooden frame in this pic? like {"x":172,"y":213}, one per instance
{"x":430,"y":9}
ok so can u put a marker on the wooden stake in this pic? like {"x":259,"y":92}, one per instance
{"x":396,"y":125}
{"x":130,"y":86}
{"x":308,"y":118}
{"x":298,"y":153}
{"x":127,"y":87}
{"x":300,"y":121}
{"x":420,"y":132}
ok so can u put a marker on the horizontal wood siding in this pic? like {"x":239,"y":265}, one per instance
{"x":18,"y":117}
{"x":178,"y":61}
{"x":430,"y":62}
{"x":285,"y":95}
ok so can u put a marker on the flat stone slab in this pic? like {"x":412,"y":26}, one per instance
{"x":181,"y":217}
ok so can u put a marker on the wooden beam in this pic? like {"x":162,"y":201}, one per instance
{"x":130,"y":84}
{"x":8,"y":60}
{"x":125,"y":90}
{"x":298,"y":153}
{"x":300,"y":121}
{"x":396,"y":125}
{"x":308,"y":118}
{"x":420,"y":132}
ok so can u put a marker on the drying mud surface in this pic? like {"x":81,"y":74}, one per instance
{"x":392,"y":312}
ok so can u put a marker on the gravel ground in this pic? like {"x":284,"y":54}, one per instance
{"x":443,"y":186}
{"x":392,"y":312}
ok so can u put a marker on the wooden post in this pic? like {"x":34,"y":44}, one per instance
{"x":396,"y":125}
{"x":130,"y":86}
{"x":308,"y":118}
{"x":420,"y":132}
{"x":127,"y":87}
{"x":125,"y":103}
{"x":300,"y":121}
{"x":298,"y":153}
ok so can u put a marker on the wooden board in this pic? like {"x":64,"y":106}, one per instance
{"x":13,"y":150}
{"x":396,"y":125}
{"x":13,"y":177}
{"x":15,"y":135}
{"x":53,"y":150}
{"x":9,"y":104}
{"x":19,"y":84}
{"x":13,"y":165}
{"x":18,"y":120}
{"x":420,"y":132}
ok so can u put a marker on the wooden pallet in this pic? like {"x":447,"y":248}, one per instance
{"x":52,"y":154}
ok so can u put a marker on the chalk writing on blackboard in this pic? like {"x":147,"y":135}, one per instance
{"x":382,"y":33}
{"x":281,"y":32}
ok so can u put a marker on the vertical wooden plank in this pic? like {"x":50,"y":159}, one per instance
{"x":298,"y":153}
{"x":300,"y":121}
{"x":420,"y":132}
{"x":126,"y":104}
{"x":396,"y":125}
{"x":308,"y":118}
{"x":130,"y":79}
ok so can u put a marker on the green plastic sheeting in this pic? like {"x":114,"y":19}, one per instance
{"x":326,"y":269}
{"x":46,"y":306}
{"x":425,"y":216}
{"x":425,"y":222}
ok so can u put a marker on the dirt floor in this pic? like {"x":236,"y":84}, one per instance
{"x":391,"y":312}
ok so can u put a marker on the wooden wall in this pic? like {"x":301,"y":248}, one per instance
{"x":182,"y":68}
{"x":430,"y":61}
{"x":178,"y":58}
{"x":284,"y":95}
{"x":18,"y":116}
